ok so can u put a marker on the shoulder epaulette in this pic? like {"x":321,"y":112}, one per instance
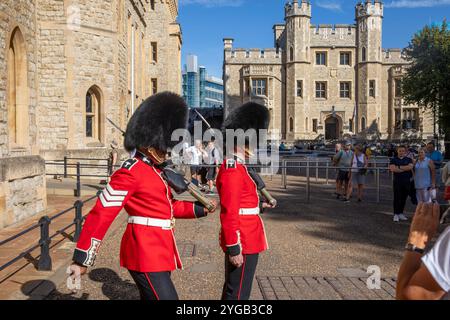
{"x":128,"y":164}
{"x":230,"y":164}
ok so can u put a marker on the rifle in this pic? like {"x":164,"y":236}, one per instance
{"x":179,"y":184}
{"x":261,"y":186}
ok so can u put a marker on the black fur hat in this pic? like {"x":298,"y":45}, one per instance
{"x":154,"y":121}
{"x":250,"y":115}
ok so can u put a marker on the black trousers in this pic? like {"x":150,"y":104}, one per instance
{"x":401,"y":192}
{"x":155,"y":285}
{"x":238,"y":281}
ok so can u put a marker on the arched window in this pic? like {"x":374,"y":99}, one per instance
{"x":93,"y":113}
{"x":306,"y":124}
{"x":291,"y":124}
{"x":291,"y":54}
{"x":363,"y":123}
{"x":17,"y":91}
{"x":363,"y":54}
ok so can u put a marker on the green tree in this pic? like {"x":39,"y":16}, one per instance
{"x":427,"y":82}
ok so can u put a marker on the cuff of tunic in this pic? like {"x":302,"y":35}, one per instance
{"x":199,"y":210}
{"x":81,"y":258}
{"x":234,"y":250}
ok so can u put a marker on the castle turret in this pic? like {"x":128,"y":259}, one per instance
{"x":297,"y":58}
{"x":369,"y":18}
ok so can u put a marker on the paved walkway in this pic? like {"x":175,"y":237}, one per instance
{"x":15,"y":279}
{"x":325,"y":244}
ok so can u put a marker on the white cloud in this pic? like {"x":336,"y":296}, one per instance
{"x":330,"y":5}
{"x":417,"y":3}
{"x":213,"y":3}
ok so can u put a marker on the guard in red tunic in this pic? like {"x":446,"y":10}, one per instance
{"x":148,"y":249}
{"x":242,"y":235}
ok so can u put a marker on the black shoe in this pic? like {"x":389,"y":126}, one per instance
{"x":359,"y":200}
{"x":345,"y":200}
{"x":338,"y":196}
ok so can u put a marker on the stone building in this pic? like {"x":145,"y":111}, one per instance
{"x":68,"y":65}
{"x":326,"y":80}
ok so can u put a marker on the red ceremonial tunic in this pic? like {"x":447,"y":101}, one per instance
{"x":138,"y":188}
{"x":237,"y":190}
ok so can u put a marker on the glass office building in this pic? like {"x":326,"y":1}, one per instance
{"x":199,"y":89}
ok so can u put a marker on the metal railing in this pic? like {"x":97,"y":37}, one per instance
{"x":45,"y":262}
{"x":308,"y":168}
{"x":78,"y":166}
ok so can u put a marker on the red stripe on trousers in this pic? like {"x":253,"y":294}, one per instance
{"x":242,"y":278}
{"x":151,"y":286}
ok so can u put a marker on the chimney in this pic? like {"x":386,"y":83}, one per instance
{"x":228,"y":43}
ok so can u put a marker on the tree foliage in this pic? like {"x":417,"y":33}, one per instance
{"x":427,"y":82}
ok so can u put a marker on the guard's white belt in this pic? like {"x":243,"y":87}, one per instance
{"x":249,"y":211}
{"x":152,"y":222}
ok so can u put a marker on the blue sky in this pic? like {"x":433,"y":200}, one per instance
{"x":206,"y":22}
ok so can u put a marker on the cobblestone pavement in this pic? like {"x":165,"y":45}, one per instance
{"x":318,"y":250}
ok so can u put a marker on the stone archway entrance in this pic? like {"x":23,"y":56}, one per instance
{"x":332,"y":128}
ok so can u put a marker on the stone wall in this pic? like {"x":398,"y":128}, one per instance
{"x":22,"y":188}
{"x":18,"y":14}
{"x":57,"y":156}
{"x":75,"y":45}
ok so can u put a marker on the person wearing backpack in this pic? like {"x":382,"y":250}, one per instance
{"x":359,"y":172}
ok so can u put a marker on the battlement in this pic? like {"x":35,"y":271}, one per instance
{"x":393,"y":56}
{"x":369,"y":8}
{"x":333,"y":35}
{"x":253,"y":54}
{"x":298,"y":8}
{"x":333,"y":29}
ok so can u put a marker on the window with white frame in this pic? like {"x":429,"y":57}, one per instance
{"x":345,"y":59}
{"x":321,"y":90}
{"x":259,"y":87}
{"x":321,"y":58}
{"x":345,"y":90}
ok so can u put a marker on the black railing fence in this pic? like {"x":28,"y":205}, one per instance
{"x":44,"y":262}
{"x":79,"y":168}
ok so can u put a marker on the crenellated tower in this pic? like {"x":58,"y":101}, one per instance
{"x":369,"y":18}
{"x":297,"y":58}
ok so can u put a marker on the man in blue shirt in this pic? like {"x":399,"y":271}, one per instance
{"x":402,"y":167}
{"x":437,"y":158}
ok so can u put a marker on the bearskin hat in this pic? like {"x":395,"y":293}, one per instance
{"x":154,"y":120}
{"x":250,"y":115}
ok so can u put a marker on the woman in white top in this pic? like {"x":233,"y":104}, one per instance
{"x":196,"y":153}
{"x":359,"y":171}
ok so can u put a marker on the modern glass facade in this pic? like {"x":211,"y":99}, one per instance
{"x":199,"y":89}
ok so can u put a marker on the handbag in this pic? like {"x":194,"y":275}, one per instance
{"x":447,"y":193}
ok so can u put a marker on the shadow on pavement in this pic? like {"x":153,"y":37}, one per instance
{"x":41,"y":289}
{"x":324,"y":217}
{"x":113,"y":287}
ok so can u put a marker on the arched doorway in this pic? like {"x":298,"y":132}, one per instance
{"x":17,"y":91}
{"x":332,"y":128}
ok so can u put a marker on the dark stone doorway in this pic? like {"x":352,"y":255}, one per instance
{"x":332,"y":128}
